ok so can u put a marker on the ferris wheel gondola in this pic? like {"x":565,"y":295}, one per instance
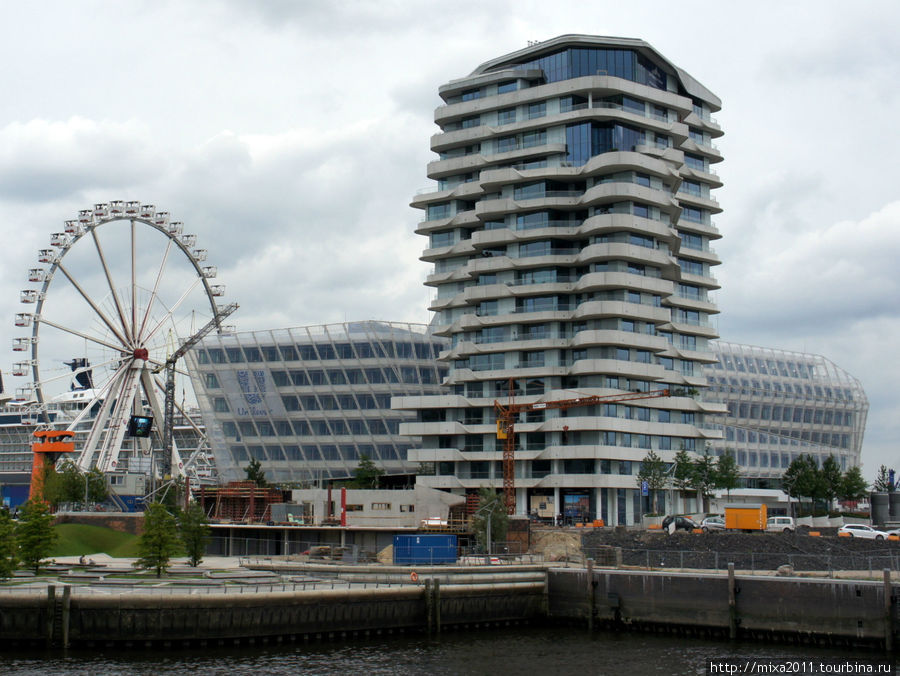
{"x":117,"y":282}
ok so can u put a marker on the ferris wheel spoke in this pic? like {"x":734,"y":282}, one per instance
{"x":70,"y":374}
{"x":171,"y":311}
{"x":100,"y":314}
{"x":112,"y":289}
{"x":81,"y":334}
{"x":150,"y":303}
{"x":86,"y":458}
{"x":133,"y":285}
{"x":99,"y":394}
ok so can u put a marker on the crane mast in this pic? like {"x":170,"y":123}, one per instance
{"x":169,"y":415}
{"x":507,"y":414}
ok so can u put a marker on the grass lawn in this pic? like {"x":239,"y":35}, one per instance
{"x":76,"y":539}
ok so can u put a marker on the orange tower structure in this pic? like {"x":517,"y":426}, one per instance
{"x":49,"y":447}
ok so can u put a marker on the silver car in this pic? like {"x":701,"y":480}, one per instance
{"x":712,"y":523}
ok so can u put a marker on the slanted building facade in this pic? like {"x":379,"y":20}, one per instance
{"x":308,"y":403}
{"x":782,"y":404}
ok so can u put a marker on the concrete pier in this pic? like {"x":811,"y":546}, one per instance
{"x":735,"y":606}
{"x":732,"y":606}
{"x":180,"y":616}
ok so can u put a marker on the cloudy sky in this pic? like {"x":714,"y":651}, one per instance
{"x":290,"y":135}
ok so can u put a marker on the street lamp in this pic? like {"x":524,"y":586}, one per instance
{"x":489,"y":507}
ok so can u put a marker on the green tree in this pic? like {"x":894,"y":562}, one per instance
{"x":34,"y":534}
{"x":98,"y":488}
{"x":194,"y":530}
{"x":830,"y":479}
{"x":68,"y":484}
{"x":801,"y":479}
{"x":704,"y":478}
{"x":9,"y":555}
{"x":256,"y":474}
{"x":853,"y":485}
{"x":683,"y":474}
{"x":653,"y":471}
{"x":491,"y":507}
{"x":882,"y":481}
{"x":728,"y":474}
{"x":367,"y":474}
{"x":159,"y":541}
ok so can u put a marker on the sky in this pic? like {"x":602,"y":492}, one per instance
{"x":291,"y":135}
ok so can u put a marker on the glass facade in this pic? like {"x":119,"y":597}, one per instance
{"x":781,"y":404}
{"x":573,"y":62}
{"x":309,"y":402}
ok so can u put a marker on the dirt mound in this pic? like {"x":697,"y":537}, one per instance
{"x":556,"y":544}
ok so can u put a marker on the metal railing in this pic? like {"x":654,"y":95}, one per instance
{"x":756,"y":561}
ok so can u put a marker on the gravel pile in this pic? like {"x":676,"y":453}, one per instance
{"x":756,"y":551}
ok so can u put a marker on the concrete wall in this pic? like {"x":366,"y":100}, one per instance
{"x":138,"y":618}
{"x":743,"y":607}
{"x":379,"y":508}
{"x":764,"y":606}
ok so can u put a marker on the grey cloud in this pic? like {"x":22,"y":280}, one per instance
{"x":43,"y":160}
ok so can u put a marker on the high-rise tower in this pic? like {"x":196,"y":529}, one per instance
{"x":569,"y":232}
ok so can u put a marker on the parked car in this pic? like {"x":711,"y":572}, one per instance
{"x":780,"y":524}
{"x":713,"y":523}
{"x":681,"y":523}
{"x":858,"y":530}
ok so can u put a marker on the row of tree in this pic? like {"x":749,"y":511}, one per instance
{"x":802,"y":479}
{"x":70,"y":484}
{"x":703,"y":474}
{"x":165,"y":535}
{"x":805,"y":479}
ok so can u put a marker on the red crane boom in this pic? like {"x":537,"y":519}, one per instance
{"x":506,"y":416}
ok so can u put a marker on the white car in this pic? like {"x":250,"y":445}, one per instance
{"x":858,"y":530}
{"x":780,"y":524}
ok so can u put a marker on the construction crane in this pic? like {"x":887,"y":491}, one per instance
{"x":169,"y":417}
{"x":506,"y":421}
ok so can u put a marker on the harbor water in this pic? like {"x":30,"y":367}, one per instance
{"x":531,"y":650}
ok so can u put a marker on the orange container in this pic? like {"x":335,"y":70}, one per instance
{"x":750,"y":516}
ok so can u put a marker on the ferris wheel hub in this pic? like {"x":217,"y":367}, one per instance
{"x":141,"y":353}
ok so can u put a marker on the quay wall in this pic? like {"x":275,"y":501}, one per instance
{"x":65,"y":617}
{"x":735,"y":606}
{"x":839,"y":612}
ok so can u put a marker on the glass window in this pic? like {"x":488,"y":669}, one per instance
{"x":537,"y":110}
{"x":506,"y":116}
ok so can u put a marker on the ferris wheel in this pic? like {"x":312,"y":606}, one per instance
{"x":121,"y":289}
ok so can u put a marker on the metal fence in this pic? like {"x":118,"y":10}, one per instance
{"x":266,"y":550}
{"x":755,"y":561}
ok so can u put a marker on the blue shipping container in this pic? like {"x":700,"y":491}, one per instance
{"x":424,"y":549}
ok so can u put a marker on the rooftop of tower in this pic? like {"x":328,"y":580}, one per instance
{"x":538,"y":49}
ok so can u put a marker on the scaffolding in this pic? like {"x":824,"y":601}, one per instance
{"x":240,"y":502}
